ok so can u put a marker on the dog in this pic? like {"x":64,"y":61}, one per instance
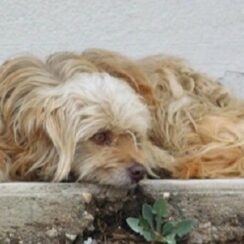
{"x":104,"y":118}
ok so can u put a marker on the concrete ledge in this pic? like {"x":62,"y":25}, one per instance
{"x":57,"y":213}
{"x":217,"y":206}
{"x":231,"y":186}
{"x":44,"y":212}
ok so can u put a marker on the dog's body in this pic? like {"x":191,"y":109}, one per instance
{"x":104,"y":118}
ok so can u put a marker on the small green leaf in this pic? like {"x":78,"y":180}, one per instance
{"x":134,"y":224}
{"x":144,"y":224}
{"x":159,"y":222}
{"x":148,"y":235}
{"x":160,"y":208}
{"x":147,"y":214}
{"x":183,"y":227}
{"x":169,"y":228}
{"x":146,"y":231}
{"x":141,"y":227}
{"x":170,"y":239}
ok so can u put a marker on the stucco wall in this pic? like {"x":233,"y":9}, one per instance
{"x":209,"y":33}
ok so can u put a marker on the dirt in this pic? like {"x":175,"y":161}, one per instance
{"x":110,"y":225}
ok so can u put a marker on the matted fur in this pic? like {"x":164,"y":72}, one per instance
{"x":161,"y":113}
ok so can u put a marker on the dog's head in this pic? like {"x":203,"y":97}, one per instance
{"x":75,"y":120}
{"x":112,"y":128}
{"x":97,"y":125}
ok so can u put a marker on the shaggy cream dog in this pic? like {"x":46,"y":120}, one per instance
{"x":104,"y":118}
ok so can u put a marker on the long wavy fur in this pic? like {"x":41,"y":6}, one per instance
{"x":196,"y":131}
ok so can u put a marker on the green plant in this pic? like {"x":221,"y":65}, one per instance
{"x":155,"y":226}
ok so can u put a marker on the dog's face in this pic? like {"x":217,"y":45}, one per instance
{"x":110,"y":158}
{"x":113,"y":127}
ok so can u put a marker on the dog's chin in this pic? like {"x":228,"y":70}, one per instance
{"x":116,"y":179}
{"x":119,"y":185}
{"x":125,"y":183}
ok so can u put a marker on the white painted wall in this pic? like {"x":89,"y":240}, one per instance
{"x":209,"y":33}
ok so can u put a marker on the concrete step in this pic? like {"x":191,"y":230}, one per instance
{"x":44,"y":212}
{"x":57,"y":213}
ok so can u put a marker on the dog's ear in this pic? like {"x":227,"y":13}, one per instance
{"x":48,"y":129}
{"x":61,"y":128}
{"x":41,"y":119}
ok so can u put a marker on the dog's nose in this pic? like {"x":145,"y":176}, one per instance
{"x":136,"y":172}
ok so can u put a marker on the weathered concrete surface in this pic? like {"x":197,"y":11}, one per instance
{"x":57,"y":213}
{"x":217,"y":206}
{"x":48,"y":213}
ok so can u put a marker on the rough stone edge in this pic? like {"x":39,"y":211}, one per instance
{"x":194,"y":186}
{"x":40,"y":188}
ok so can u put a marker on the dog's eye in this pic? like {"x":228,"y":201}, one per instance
{"x":103,"y":138}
